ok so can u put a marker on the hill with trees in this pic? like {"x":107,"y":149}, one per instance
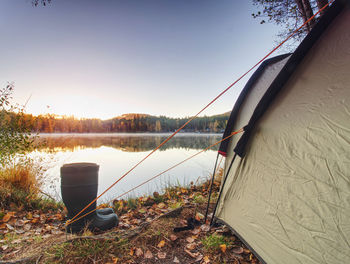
{"x":122,"y":124}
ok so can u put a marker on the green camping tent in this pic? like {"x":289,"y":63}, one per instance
{"x":286,"y":190}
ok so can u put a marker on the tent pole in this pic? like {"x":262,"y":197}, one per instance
{"x":222,"y":187}
{"x":211,"y":188}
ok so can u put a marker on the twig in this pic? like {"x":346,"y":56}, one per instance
{"x":48,"y":195}
{"x":38,"y":259}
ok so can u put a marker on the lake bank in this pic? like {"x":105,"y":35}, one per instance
{"x":145,"y":234}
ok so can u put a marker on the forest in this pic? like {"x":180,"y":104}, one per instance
{"x":50,"y":123}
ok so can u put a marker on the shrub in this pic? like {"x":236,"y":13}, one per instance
{"x":15,"y":136}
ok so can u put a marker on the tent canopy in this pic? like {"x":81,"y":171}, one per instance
{"x":287,"y":193}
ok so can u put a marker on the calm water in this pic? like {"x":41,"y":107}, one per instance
{"x":117,"y":153}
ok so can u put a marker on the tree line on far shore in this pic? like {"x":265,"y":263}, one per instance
{"x":126,"y":123}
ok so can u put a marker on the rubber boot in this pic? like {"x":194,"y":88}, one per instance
{"x":105,"y":211}
{"x":79,"y":182}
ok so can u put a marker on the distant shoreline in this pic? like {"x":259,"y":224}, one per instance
{"x":130,"y":134}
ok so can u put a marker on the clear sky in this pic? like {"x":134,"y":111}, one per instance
{"x":103,"y":58}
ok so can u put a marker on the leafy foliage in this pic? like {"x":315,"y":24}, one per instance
{"x":15,"y":136}
{"x":40,"y":2}
{"x":290,"y":14}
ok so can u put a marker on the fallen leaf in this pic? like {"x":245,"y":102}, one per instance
{"x":183,"y":221}
{"x":206,"y":259}
{"x":223,"y":248}
{"x":193,"y":255}
{"x":246,"y":251}
{"x":237,"y":250}
{"x":35,"y":220}
{"x":176,"y":260}
{"x":205,"y":228}
{"x":19,"y":231}
{"x":16,"y":241}
{"x":19,"y":223}
{"x":191,"y":246}
{"x":196,"y":231}
{"x":148,"y":254}
{"x":138,"y":252}
{"x":161,"y":244}
{"x":10,"y":227}
{"x":59,"y":216}
{"x":7,"y":217}
{"x":199,"y":216}
{"x":115,"y":260}
{"x":199,"y":258}
{"x":131,"y":253}
{"x":27,"y":227}
{"x":2,"y":226}
{"x":161,"y":255}
{"x":142,"y":211}
{"x":4,"y":247}
{"x":161,"y":205}
{"x":173,"y":237}
{"x":190,"y":239}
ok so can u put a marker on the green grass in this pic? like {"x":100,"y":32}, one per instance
{"x":212,"y":242}
{"x":86,"y":251}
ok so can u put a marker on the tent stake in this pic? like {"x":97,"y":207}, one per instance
{"x":211,"y":188}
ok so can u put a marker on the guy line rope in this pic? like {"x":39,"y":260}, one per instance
{"x":195,"y":116}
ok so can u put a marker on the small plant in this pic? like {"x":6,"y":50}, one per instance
{"x":38,"y":239}
{"x":132,"y":203}
{"x":199,"y":199}
{"x":175,"y":205}
{"x":159,"y":199}
{"x":212,"y":242}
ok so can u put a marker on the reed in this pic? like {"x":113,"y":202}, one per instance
{"x":20,"y":184}
{"x":22,"y":176}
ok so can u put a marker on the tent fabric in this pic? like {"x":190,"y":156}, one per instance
{"x":285,"y":74}
{"x":288,"y":195}
{"x":261,"y":78}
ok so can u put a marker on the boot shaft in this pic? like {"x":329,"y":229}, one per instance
{"x":79,"y":183}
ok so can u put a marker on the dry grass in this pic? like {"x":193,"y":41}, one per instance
{"x":20,"y":184}
{"x":21,"y":176}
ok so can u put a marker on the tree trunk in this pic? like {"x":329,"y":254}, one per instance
{"x":322,"y":3}
{"x":302,"y":12}
{"x":309,"y":13}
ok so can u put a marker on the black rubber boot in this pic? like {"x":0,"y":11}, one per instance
{"x":79,"y":182}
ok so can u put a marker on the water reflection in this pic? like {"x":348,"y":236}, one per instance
{"x":117,"y":153}
{"x":124,"y":142}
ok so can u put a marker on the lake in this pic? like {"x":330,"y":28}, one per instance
{"x":117,"y":153}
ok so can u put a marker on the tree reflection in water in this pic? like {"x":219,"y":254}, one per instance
{"x":124,"y":142}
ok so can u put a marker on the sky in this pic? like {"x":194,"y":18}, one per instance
{"x":104,"y":58}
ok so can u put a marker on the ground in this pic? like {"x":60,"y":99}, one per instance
{"x":145,"y":234}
